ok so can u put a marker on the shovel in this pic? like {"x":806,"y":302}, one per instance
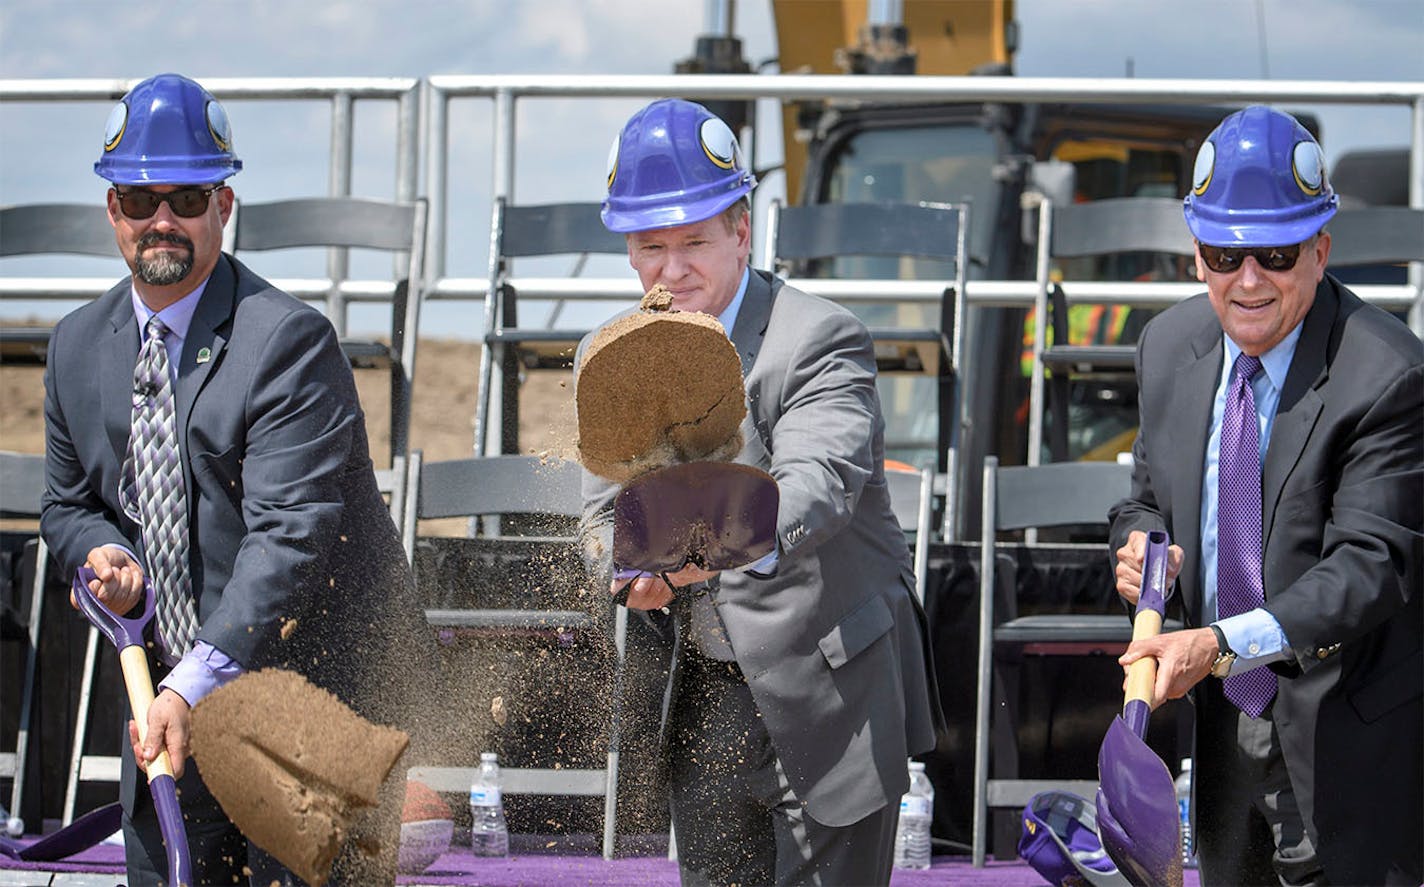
{"x":716,"y":515}
{"x":127,"y":636}
{"x":81,"y":834}
{"x":1138,"y":819}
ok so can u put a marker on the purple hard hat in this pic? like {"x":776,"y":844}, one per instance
{"x":168,"y":130}
{"x":1060,"y":841}
{"x":1259,"y":180}
{"x":674,"y":163}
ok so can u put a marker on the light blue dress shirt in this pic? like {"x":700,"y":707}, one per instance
{"x":205,"y":668}
{"x":1255,"y":636}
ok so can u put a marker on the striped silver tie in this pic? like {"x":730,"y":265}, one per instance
{"x":152,"y":493}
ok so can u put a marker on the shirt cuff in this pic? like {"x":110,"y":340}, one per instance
{"x":1256,"y":638}
{"x":764,"y":568}
{"x":199,"y":673}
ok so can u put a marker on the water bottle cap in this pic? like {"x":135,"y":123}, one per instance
{"x":917,"y":767}
{"x":1186,"y":764}
{"x":488,"y":757}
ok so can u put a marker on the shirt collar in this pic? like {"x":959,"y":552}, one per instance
{"x":728,"y":317}
{"x":1275,"y":362}
{"x":177,"y":317}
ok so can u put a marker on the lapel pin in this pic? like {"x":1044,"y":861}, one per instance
{"x":205,"y":354}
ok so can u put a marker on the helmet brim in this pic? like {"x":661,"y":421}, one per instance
{"x":651,"y":218}
{"x":1245,"y":232}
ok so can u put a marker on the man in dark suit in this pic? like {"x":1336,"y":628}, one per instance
{"x":1282,"y":446}
{"x":287,"y":555}
{"x":796,"y":688}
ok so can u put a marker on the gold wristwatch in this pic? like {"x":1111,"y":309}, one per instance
{"x":1224,"y":655}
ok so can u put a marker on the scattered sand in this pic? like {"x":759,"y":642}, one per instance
{"x":291,"y":765}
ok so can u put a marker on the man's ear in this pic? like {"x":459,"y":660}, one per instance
{"x":225,"y":200}
{"x":111,"y":206}
{"x":1322,"y":254}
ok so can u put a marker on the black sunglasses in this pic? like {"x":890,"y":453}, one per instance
{"x":187,"y":203}
{"x":1227,"y":259}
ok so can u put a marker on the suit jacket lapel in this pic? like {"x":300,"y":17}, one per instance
{"x":205,"y":337}
{"x":750,"y":328}
{"x":1300,"y":403}
{"x":1191,"y":412}
{"x":117,"y":353}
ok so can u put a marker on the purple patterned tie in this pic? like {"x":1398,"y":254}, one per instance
{"x":1238,"y":528}
{"x":152,"y":494}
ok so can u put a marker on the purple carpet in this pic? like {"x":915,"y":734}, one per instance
{"x":459,"y":867}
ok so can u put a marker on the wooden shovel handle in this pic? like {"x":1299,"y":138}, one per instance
{"x":1142,"y":674}
{"x":139,"y":682}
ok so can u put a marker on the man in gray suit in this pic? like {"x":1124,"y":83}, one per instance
{"x":797,"y":688}
{"x":1300,"y":551}
{"x":286,"y":554}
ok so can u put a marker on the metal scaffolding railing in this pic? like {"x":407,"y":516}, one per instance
{"x":422,"y":132}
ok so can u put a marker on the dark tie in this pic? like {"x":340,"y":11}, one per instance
{"x":152,"y":494}
{"x":1238,"y":528}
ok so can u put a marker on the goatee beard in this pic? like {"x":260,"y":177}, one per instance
{"x":165,"y":267}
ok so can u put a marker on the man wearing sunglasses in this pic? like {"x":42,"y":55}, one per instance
{"x":795,"y":690}
{"x":1281,"y":444}
{"x":203,"y":431}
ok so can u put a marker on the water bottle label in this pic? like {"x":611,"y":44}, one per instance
{"x":1183,"y":811}
{"x":484,"y":796}
{"x":911,"y":805}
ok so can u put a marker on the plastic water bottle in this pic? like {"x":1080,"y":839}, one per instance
{"x":489,"y":836}
{"x":912,"y":834}
{"x":14,"y":826}
{"x":1183,"y":785}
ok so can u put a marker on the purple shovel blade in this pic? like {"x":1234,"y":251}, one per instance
{"x":717,"y":515}
{"x":81,"y":834}
{"x":1137,"y":810}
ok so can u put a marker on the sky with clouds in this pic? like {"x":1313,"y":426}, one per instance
{"x":46,"y":153}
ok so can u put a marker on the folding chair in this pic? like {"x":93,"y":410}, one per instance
{"x":504,"y":486}
{"x":50,"y":228}
{"x":344,"y":223}
{"x":1017,"y":498}
{"x":22,"y":480}
{"x":523,"y":232}
{"x":1374,"y":240}
{"x":844,"y":239}
{"x":1083,"y":230}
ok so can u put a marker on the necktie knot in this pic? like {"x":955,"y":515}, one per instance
{"x":1247,"y":366}
{"x":156,"y":329}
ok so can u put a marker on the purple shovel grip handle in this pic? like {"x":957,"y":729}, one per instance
{"x":170,"y":823}
{"x":1136,"y":713}
{"x":121,"y":631}
{"x":1154,"y":574}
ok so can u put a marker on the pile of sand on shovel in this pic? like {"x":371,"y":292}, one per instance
{"x":658,"y":388}
{"x":291,"y":765}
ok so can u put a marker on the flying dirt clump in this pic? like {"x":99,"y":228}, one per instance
{"x":656,"y":388}
{"x":291,"y":765}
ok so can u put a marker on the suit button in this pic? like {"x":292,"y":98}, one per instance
{"x":1321,"y":653}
